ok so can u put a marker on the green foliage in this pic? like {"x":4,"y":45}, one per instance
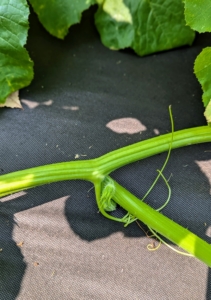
{"x":202,"y":69}
{"x":197,"y":14}
{"x":145,"y":26}
{"x":208,"y":113}
{"x":154,"y":26}
{"x":58,"y":16}
{"x":116,"y":9}
{"x":15,"y":63}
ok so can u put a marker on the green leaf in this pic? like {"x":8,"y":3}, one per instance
{"x":202,"y":70}
{"x":57,"y":16}
{"x":15,"y":63}
{"x":197,"y":14}
{"x":207,"y":113}
{"x":156,"y":25}
{"x":116,"y":9}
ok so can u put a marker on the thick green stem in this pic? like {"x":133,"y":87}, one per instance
{"x":24,"y":179}
{"x":126,"y":155}
{"x":163,"y":225}
{"x":98,"y":168}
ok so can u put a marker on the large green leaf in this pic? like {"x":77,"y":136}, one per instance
{"x":202,"y":69}
{"x":197,"y":14}
{"x":58,"y":15}
{"x":156,"y":25}
{"x":15,"y":63}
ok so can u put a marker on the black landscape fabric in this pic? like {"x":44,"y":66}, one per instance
{"x":85,"y":101}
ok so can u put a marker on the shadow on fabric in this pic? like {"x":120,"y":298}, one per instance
{"x":83,"y":218}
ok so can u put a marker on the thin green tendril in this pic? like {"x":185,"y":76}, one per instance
{"x":128,"y":219}
{"x":167,"y":158}
{"x":169,"y":191}
{"x":105,"y":203}
{"x":163,"y":242}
